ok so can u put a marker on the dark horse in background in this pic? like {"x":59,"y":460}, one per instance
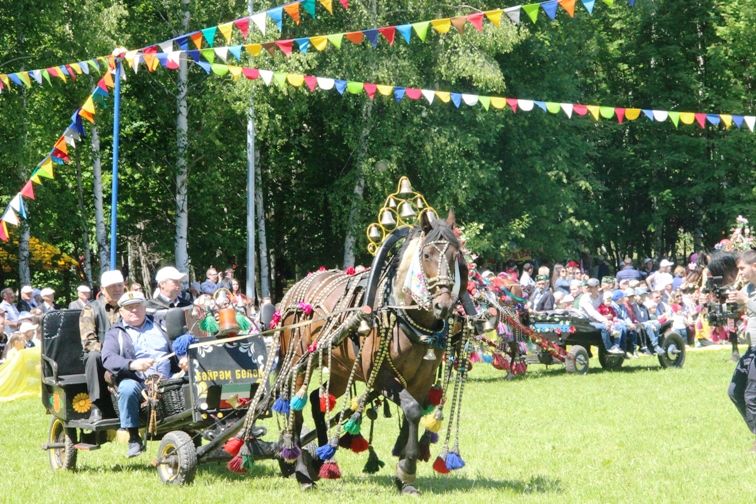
{"x":405,"y":376}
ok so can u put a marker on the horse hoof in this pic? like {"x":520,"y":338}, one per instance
{"x":405,"y":488}
{"x":307,"y":487}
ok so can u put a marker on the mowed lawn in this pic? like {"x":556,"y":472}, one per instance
{"x":642,"y":434}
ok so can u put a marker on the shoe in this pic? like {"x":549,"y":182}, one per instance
{"x":95,"y":415}
{"x":659,"y":350}
{"x":616,"y":350}
{"x":635,"y":354}
{"x":135,"y":449}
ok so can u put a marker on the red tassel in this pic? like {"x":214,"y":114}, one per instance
{"x":439,"y":465}
{"x":236,"y":465}
{"x":435,"y":394}
{"x":331,"y":403}
{"x":330,"y":470}
{"x":359,"y":444}
{"x":233,"y":446}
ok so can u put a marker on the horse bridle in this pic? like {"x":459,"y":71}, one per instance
{"x":444,"y":276}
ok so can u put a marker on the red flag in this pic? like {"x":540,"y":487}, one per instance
{"x":285,"y":46}
{"x":579,"y":109}
{"x":311,"y":82}
{"x":344,"y":3}
{"x":3,"y":231}
{"x":413,"y":93}
{"x":388,"y":33}
{"x":28,"y":190}
{"x":620,"y":112}
{"x":476,"y":20}
{"x":243,"y":26}
{"x":701,"y":120}
{"x":369,"y":88}
{"x":251,"y":73}
{"x":512,"y":102}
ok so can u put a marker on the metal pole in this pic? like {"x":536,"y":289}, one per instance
{"x":116,"y":131}
{"x":250,"y":287}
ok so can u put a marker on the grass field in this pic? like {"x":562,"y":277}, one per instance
{"x":642,"y":434}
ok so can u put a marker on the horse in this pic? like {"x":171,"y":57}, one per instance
{"x":419,"y":288}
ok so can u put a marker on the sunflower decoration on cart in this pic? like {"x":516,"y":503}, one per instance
{"x":81,"y":403}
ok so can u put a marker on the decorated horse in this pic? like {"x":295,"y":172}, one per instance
{"x":388,"y":327}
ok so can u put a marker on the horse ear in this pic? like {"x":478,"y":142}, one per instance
{"x":451,"y":219}
{"x":425,"y":222}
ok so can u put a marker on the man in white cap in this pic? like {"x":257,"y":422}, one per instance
{"x":8,"y":305}
{"x":82,"y":291}
{"x":27,"y":301}
{"x":588,"y":306}
{"x":658,"y":280}
{"x":169,"y":281}
{"x":48,"y":300}
{"x":134,"y":349}
{"x":95,"y":320}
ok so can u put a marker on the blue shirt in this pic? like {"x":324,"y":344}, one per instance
{"x":150,"y":343}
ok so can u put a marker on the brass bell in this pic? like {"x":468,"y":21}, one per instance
{"x":430,"y":354}
{"x":405,"y":188}
{"x":387,"y":219}
{"x":490,"y":324}
{"x":364,"y":328}
{"x":375,"y":234}
{"x":392,"y":203}
{"x":419,"y":203}
{"x":406,"y":211}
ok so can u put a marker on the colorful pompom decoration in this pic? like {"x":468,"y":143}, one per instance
{"x":326,"y":452}
{"x":345,"y":441}
{"x":439,"y":465}
{"x":353,"y":424}
{"x":299,"y":400}
{"x":327,"y":403}
{"x":209,"y":324}
{"x":233,"y":445}
{"x":330,"y":470}
{"x":289,"y":450}
{"x":359,"y":444}
{"x":433,"y":421}
{"x":281,"y":406}
{"x":373,"y":464}
{"x":435,"y":394}
{"x":454,"y":461}
{"x":236,"y":465}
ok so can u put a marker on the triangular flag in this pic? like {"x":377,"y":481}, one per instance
{"x":660,"y":115}
{"x":340,"y":86}
{"x":429,"y":95}
{"x":606,"y":112}
{"x":166,"y":47}
{"x":405,"y":31}
{"x":525,"y":105}
{"x":459,"y":23}
{"x":649,"y":114}
{"x":295,"y":80}
{"x":674,"y":117}
{"x":60,"y":144}
{"x":713,"y":119}
{"x":319,"y":42}
{"x":208,"y":54}
{"x":279,"y":78}
{"x":512,"y":102}
{"x":235,"y":52}
{"x":243,"y":25}
{"x":293,"y":11}
{"x":553,"y":107}
{"x":303,"y":44}
{"x":46,"y":169}
{"x":209,"y":35}
{"x":413,"y":93}
{"x":567,"y":108}
{"x":632,"y":114}
{"x":285,"y":46}
{"x":17,"y":204}
{"x":421,"y":29}
{"x":456,"y":99}
{"x":687,"y":118}
{"x":196,"y":39}
{"x":309,"y":7}
{"x":738,"y":120}
{"x":253,"y":49}
{"x":28,"y":190}
{"x":726,"y":119}
{"x":260,"y":21}
{"x":328,"y":5}
{"x":620,"y":113}
{"x":354,"y":87}
{"x":219,"y":69}
{"x":37,"y":75}
{"x":485,"y":101}
{"x":10,"y":217}
{"x":355,"y":38}
{"x":494,"y":16}
{"x":276,"y":15}
{"x":701,"y":119}
{"x":335,"y":39}
{"x":441,"y":26}
{"x":532,"y":11}
{"x":3,"y":231}
{"x":388,"y":33}
{"x":311,"y":82}
{"x":568,"y":6}
{"x":580,"y":109}
{"x":372,"y":36}
{"x":370,"y":89}
{"x":750,"y":120}
{"x":251,"y":73}
{"x":550,"y":8}
{"x":609,"y":2}
{"x":25,"y":78}
{"x":344,"y":3}
{"x":225,"y":29}
{"x":444,"y":96}
{"x":385,"y":90}
{"x":594,"y":110}
{"x":325,"y":83}
{"x":235,"y":71}
{"x":588,"y":4}
{"x":470,"y":99}
{"x":541,"y":105}
{"x":477,"y":20}
{"x":267,"y":76}
{"x":398,"y":94}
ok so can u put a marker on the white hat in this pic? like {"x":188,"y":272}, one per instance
{"x":27,"y":326}
{"x":131,"y":298}
{"x":83,"y":288}
{"x":26,"y":288}
{"x":111,"y":278}
{"x":665,"y":263}
{"x":47,"y":291}
{"x":169,"y":273}
{"x":629,"y":292}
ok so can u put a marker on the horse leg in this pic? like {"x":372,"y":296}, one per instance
{"x":401,"y":440}
{"x":407,"y":465}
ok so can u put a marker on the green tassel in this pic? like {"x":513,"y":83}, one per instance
{"x":243,"y":322}
{"x":209,"y":324}
{"x":373,"y":464}
{"x":246,"y":456}
{"x":353,"y":424}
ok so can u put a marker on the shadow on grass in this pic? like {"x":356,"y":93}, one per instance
{"x":535,"y":485}
{"x":558,"y":371}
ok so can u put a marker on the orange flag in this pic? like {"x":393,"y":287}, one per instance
{"x":293,"y":11}
{"x":568,"y":6}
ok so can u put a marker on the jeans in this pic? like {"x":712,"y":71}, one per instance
{"x":742,"y":390}
{"x":129,"y":399}
{"x":652,"y":330}
{"x":606,"y":336}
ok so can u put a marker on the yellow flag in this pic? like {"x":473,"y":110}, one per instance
{"x":35,"y":179}
{"x":319,"y":42}
{"x":726,"y":119}
{"x":5,"y":79}
{"x":328,"y":4}
{"x":235,"y":71}
{"x":498,"y":102}
{"x":253,"y":49}
{"x":441,"y":25}
{"x":444,"y":96}
{"x":25,"y":78}
{"x":594,"y":110}
{"x":89,"y":106}
{"x":687,"y":117}
{"x":494,"y":16}
{"x":632,"y":114}
{"x":295,"y":80}
{"x":384,"y":89}
{"x":76,"y":67}
{"x":46,"y":169}
{"x":225,"y":30}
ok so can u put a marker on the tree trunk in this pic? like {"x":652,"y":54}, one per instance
{"x":100,"y":235}
{"x":24,"y":273}
{"x":263,"y":243}
{"x":83,"y":220}
{"x":182,"y":167}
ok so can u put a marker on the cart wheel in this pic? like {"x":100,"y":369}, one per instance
{"x":545,"y":358}
{"x":577,"y":360}
{"x":609,"y":361}
{"x":63,"y":458}
{"x":177,"y":459}
{"x":674,"y":351}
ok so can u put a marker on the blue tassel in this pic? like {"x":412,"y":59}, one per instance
{"x":325,"y":452}
{"x":181,"y":344}
{"x":281,"y":406}
{"x":298,"y":403}
{"x":454,"y":461}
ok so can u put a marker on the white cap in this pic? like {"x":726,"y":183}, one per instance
{"x":111,"y":278}
{"x":83,"y":288}
{"x":665,"y":263}
{"x":169,"y":273}
{"x":27,"y":326}
{"x":47,"y":291}
{"x":26,"y":288}
{"x":131,"y":298}
{"x":629,"y":292}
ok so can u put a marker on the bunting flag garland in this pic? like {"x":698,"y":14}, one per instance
{"x":205,"y":37}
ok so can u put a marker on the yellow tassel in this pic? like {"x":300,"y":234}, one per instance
{"x":355,"y":405}
{"x":433,"y":421}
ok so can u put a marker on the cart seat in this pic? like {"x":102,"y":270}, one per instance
{"x":61,"y":346}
